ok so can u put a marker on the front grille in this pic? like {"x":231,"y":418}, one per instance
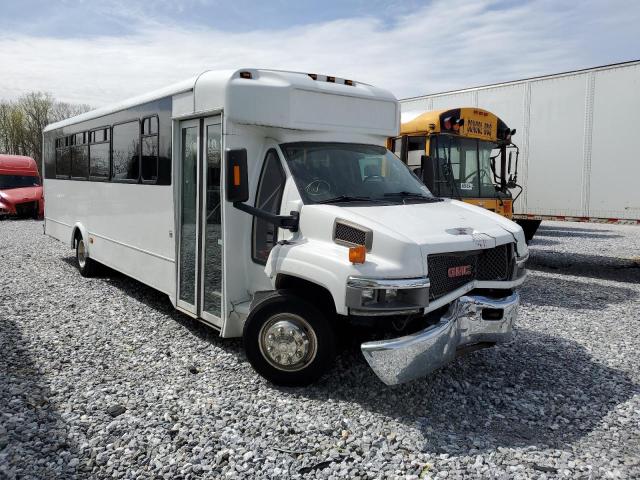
{"x":450,"y":271}
{"x":26,"y":208}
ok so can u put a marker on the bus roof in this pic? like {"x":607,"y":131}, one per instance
{"x":430,"y":122}
{"x":17,"y":165}
{"x":287,"y":99}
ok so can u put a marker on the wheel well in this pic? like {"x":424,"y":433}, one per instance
{"x":77,"y":234}
{"x":311,"y":292}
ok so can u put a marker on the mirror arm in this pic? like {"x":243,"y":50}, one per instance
{"x":288,"y":222}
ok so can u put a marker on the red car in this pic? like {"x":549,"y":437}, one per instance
{"x":21,"y":191}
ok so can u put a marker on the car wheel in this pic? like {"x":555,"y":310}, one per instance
{"x":288,"y":340}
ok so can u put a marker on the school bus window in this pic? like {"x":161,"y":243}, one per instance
{"x":397,"y":146}
{"x":415,"y":150}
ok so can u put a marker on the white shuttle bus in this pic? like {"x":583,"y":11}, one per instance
{"x":264,"y":204}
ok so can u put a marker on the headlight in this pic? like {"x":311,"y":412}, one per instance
{"x":366,"y":296}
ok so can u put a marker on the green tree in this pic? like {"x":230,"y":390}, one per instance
{"x":22,"y":122}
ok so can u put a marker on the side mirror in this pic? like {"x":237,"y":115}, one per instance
{"x":237,"y":175}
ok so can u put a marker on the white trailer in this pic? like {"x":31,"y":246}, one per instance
{"x":264,"y":204}
{"x":577,"y":136}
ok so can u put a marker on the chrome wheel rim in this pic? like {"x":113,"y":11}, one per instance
{"x":82,"y":254}
{"x":288,"y":342}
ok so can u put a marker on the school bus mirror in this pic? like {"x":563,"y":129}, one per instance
{"x":237,"y":176}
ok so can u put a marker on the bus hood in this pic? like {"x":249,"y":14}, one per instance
{"x":438,"y":227}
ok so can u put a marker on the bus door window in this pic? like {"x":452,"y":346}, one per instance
{"x":415,"y":150}
{"x":446,"y":173}
{"x":466,"y":155}
{"x":486,"y":184}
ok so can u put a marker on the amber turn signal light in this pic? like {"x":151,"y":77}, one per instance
{"x":357,"y":254}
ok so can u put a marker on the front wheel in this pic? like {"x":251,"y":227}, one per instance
{"x":288,"y":340}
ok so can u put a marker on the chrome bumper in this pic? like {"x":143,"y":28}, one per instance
{"x":406,"y":358}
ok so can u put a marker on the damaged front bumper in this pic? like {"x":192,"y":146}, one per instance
{"x":470,"y":320}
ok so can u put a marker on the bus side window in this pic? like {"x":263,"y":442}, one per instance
{"x":80,"y":157}
{"x":269,"y":198}
{"x":63,"y":158}
{"x":125,"y":151}
{"x":150,"y":149}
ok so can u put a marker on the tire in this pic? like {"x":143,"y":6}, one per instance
{"x":299,"y":336}
{"x":86,"y":266}
{"x":530,"y":227}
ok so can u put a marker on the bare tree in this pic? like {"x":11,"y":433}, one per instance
{"x":22,"y":122}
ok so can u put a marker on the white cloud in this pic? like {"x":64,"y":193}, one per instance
{"x":449,"y":44}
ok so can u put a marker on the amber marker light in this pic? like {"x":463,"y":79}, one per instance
{"x":236,"y":175}
{"x":357,"y":254}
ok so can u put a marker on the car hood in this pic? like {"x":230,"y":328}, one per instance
{"x":21,"y":195}
{"x":437,"y":227}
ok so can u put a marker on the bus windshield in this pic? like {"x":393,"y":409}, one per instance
{"x":464,"y":167}
{"x":345,"y":172}
{"x":17,"y":181}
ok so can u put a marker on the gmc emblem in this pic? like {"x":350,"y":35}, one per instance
{"x":460,"y":271}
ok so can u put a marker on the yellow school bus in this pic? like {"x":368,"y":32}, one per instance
{"x":463,"y":153}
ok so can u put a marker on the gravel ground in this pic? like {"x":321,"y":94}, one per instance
{"x":101,"y":378}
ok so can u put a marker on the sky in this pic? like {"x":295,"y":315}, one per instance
{"x":102,"y":51}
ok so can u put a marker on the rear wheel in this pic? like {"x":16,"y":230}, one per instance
{"x":288,"y":340}
{"x":86,"y":265}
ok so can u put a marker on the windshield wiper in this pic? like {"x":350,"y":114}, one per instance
{"x":347,"y":199}
{"x":404,"y":194}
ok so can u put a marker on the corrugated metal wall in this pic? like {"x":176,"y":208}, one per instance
{"x":579,"y":155}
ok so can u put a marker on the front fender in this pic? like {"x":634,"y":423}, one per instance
{"x":327,"y":264}
{"x":309,"y":265}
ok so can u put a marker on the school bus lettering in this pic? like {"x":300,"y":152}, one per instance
{"x":479,"y":128}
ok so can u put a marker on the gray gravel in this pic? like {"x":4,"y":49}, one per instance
{"x":101,"y":378}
